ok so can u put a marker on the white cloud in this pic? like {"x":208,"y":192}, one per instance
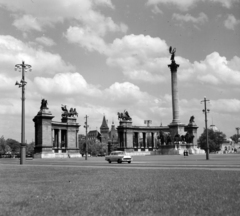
{"x":216,"y":69}
{"x":226,"y":105}
{"x":201,"y":19}
{"x":86,"y":38}
{"x":37,"y":15}
{"x":139,"y":57}
{"x":225,"y":3}
{"x":45,"y":41}
{"x":27,"y":23}
{"x":145,"y":76}
{"x":156,"y":10}
{"x":13,"y":51}
{"x":185,"y":5}
{"x":231,"y":22}
{"x":66,"y":84}
{"x":125,"y":92}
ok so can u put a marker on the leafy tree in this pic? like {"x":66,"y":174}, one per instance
{"x":4,"y":148}
{"x":215,"y":139}
{"x":96,"y":147}
{"x":235,"y":138}
{"x":112,"y":146}
{"x":14,"y":145}
{"x":30,"y":148}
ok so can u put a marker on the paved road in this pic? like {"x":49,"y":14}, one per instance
{"x":216,"y":162}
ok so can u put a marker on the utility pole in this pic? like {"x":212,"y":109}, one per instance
{"x":205,"y":110}
{"x":86,"y":126}
{"x":22,"y":68}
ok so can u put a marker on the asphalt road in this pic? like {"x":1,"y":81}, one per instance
{"x":216,"y":162}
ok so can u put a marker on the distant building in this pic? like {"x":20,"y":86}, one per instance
{"x":113,"y":133}
{"x":94,"y":136}
{"x":104,"y":130}
{"x":214,"y":128}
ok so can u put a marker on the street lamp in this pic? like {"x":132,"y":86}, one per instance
{"x":22,"y":68}
{"x":86,"y":126}
{"x":205,"y":110}
{"x":237,"y":133}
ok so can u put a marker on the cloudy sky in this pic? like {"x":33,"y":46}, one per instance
{"x":104,"y":56}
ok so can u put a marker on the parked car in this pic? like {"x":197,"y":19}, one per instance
{"x":118,"y":156}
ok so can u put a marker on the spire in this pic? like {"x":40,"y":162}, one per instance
{"x":104,"y":124}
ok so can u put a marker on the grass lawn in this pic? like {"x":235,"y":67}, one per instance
{"x":31,"y":190}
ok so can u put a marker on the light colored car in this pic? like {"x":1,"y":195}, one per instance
{"x":118,"y":156}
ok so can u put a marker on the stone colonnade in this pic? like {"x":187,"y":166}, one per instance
{"x":55,"y":139}
{"x":140,"y":140}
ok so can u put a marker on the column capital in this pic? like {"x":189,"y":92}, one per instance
{"x":173,"y":66}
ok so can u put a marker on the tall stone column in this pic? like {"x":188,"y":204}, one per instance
{"x":176,"y":127}
{"x":174,"y":82}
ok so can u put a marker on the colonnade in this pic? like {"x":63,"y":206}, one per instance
{"x":140,"y":140}
{"x":59,"y":138}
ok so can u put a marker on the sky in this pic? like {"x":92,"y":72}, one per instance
{"x":106,"y":56}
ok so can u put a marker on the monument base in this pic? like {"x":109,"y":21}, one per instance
{"x":43,"y":155}
{"x":165,"y":150}
{"x":191,"y":148}
{"x":74,"y":155}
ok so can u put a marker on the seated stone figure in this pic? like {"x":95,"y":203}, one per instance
{"x":43,"y":104}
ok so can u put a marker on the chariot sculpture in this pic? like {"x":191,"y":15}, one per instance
{"x":71,"y":113}
{"x":124,"y":116}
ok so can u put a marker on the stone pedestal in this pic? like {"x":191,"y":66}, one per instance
{"x":125,"y":134}
{"x":43,"y":134}
{"x":176,"y":128}
{"x":72,"y":126}
{"x":191,"y":129}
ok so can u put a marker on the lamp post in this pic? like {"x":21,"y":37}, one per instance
{"x":22,"y":68}
{"x":86,"y":126}
{"x":205,"y":110}
{"x":237,"y":133}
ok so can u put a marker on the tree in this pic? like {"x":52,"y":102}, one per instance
{"x":215,"y":139}
{"x":14,"y":145}
{"x":4,"y":148}
{"x":235,"y":138}
{"x":95,"y":147}
{"x":30,"y":148}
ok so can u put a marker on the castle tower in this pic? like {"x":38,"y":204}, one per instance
{"x":104,"y":130}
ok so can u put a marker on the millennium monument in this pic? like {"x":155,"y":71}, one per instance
{"x":174,"y":138}
{"x":56,"y":139}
